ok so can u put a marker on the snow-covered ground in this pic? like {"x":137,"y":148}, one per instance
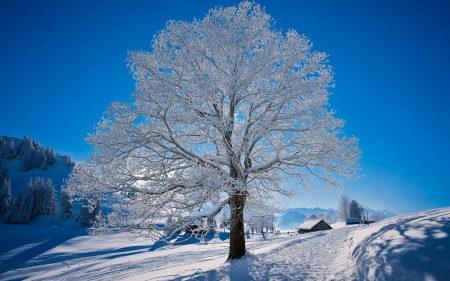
{"x":408,"y":247}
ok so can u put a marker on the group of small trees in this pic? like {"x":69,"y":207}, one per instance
{"x":348,"y":208}
{"x":261,"y":224}
{"x":38,"y":198}
{"x":31,"y":154}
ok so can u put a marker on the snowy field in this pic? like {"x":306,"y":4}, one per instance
{"x":408,"y":247}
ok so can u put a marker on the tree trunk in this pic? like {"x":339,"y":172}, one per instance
{"x":237,"y":237}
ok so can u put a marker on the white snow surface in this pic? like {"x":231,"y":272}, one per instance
{"x":413,"y":246}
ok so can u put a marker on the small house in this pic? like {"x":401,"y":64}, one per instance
{"x":313,"y":225}
{"x":349,"y":221}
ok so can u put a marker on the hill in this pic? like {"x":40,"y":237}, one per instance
{"x":290,"y":220}
{"x":42,"y":162}
{"x":408,"y":247}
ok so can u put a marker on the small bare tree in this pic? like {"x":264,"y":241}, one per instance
{"x":226,"y":109}
{"x":344,"y":207}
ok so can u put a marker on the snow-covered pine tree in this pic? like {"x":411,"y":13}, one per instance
{"x":27,"y":208}
{"x":8,"y":149}
{"x":67,"y":160}
{"x":13,"y":214}
{"x":65,"y":205}
{"x":3,"y":172}
{"x":27,"y":161}
{"x":38,"y":156}
{"x":25,"y":147}
{"x":50,"y":201}
{"x":226,"y":109}
{"x":44,"y":164}
{"x":50,"y":155}
{"x":5,"y":195}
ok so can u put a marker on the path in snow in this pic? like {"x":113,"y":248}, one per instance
{"x":318,"y":256}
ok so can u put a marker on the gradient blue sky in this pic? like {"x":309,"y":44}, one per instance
{"x":63,"y":62}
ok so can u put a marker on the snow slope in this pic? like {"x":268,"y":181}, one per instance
{"x":409,"y":247}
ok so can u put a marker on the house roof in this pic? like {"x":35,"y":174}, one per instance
{"x":309,"y":224}
{"x":353,"y":220}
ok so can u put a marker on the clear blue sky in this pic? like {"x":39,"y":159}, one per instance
{"x":63,"y":62}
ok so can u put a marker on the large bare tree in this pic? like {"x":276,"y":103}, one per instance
{"x":226,"y":110}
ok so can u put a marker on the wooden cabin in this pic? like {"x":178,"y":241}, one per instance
{"x":313,"y":225}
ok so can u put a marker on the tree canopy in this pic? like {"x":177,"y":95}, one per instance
{"x":226,"y":110}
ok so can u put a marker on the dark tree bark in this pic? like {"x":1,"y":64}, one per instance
{"x":237,"y":235}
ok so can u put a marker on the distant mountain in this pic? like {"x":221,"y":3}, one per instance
{"x":385,"y":213}
{"x":293,"y":217}
{"x":309,"y":211}
{"x":290,"y":220}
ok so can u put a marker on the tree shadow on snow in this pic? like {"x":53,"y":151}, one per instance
{"x":419,"y":251}
{"x":43,"y":239}
{"x":185,"y":239}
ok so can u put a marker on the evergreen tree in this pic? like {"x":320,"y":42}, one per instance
{"x":356,"y":209}
{"x":50,"y":201}
{"x":13,"y":213}
{"x":39,"y":197}
{"x":3,"y":172}
{"x":27,"y":208}
{"x":66,"y":206}
{"x":8,"y":149}
{"x":26,"y":146}
{"x":27,"y":161}
{"x":5,"y":196}
{"x":38,"y":156}
{"x":44,"y":164}
{"x":67,"y":160}
{"x":50,"y":155}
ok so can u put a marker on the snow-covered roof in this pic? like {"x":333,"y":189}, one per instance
{"x":309,"y":224}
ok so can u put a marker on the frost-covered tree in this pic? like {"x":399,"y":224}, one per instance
{"x":7,"y":149}
{"x":67,"y":160}
{"x":27,"y":161}
{"x":13,"y":214}
{"x":226,"y":110}
{"x":89,"y":211}
{"x":5,"y":195}
{"x":225,"y":220}
{"x":356,"y":209}
{"x":27,"y":207}
{"x":65,"y":205}
{"x":343,"y":211}
{"x":50,"y":155}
